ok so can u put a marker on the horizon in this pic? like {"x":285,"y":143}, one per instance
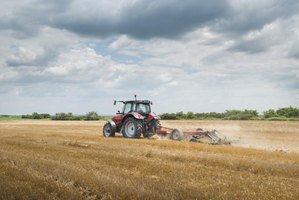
{"x":113,"y":114}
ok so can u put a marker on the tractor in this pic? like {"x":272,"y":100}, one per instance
{"x":135,"y":119}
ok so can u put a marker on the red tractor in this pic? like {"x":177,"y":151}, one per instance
{"x":135,"y":119}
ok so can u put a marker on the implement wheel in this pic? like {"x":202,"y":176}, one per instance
{"x":177,"y":134}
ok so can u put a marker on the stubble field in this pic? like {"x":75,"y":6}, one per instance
{"x":71,"y":160}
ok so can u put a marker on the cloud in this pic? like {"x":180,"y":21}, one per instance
{"x":259,"y":40}
{"x":8,"y":75}
{"x":294,"y":50}
{"x":140,"y":19}
{"x":21,"y":56}
{"x":170,"y":19}
{"x":37,"y":51}
{"x":143,"y":19}
{"x":184,"y":55}
{"x":247,"y":16}
{"x":105,"y":72}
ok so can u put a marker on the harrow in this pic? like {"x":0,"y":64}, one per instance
{"x":199,"y":135}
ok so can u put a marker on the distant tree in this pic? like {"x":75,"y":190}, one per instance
{"x":240,"y":114}
{"x":169,"y":116}
{"x":45,"y":116}
{"x":92,"y":116}
{"x":270,"y":113}
{"x":36,"y":115}
{"x":63,"y":116}
{"x":27,"y":116}
{"x":288,"y":112}
{"x":215,"y":115}
{"x":190,"y":115}
{"x":199,"y":115}
{"x":58,"y":116}
{"x":180,"y":115}
{"x":252,"y":113}
{"x":280,"y":114}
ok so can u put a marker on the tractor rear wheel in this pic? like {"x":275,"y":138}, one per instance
{"x":177,"y":134}
{"x":132,"y":128}
{"x":109,"y":130}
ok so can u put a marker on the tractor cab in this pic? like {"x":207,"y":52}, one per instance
{"x":142,"y":107}
{"x":139,"y":109}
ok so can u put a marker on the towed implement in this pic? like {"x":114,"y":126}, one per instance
{"x":137,"y":119}
{"x":199,"y":135}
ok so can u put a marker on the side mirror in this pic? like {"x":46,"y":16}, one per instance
{"x":114,"y":102}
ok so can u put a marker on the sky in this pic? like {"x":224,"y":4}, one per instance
{"x":193,"y":55}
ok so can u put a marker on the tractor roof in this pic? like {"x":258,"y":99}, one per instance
{"x":138,"y":101}
{"x":135,"y":101}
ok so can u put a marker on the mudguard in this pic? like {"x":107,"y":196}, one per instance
{"x":152,"y":116}
{"x":109,"y":129}
{"x":113,"y":125}
{"x":136,"y":115}
{"x":117,"y":119}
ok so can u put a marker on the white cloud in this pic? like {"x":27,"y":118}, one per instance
{"x":8,"y":75}
{"x":122,"y":42}
{"x":75,"y":61}
{"x":21,"y":55}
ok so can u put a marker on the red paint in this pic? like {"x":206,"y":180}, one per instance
{"x":152,"y":116}
{"x":117,"y":119}
{"x":137,"y":115}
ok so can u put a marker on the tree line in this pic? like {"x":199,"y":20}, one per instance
{"x":287,"y":113}
{"x":65,"y":116}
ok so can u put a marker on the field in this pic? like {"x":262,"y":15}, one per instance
{"x":71,"y":160}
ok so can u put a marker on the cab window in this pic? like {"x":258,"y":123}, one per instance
{"x":143,"y":108}
{"x":127,"y":108}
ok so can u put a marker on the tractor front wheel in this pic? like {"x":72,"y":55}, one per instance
{"x":109,"y":129}
{"x":132,"y":128}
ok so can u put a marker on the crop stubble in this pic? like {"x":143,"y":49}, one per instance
{"x":71,"y":160}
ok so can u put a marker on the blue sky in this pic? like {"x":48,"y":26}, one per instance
{"x":194,"y":55}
